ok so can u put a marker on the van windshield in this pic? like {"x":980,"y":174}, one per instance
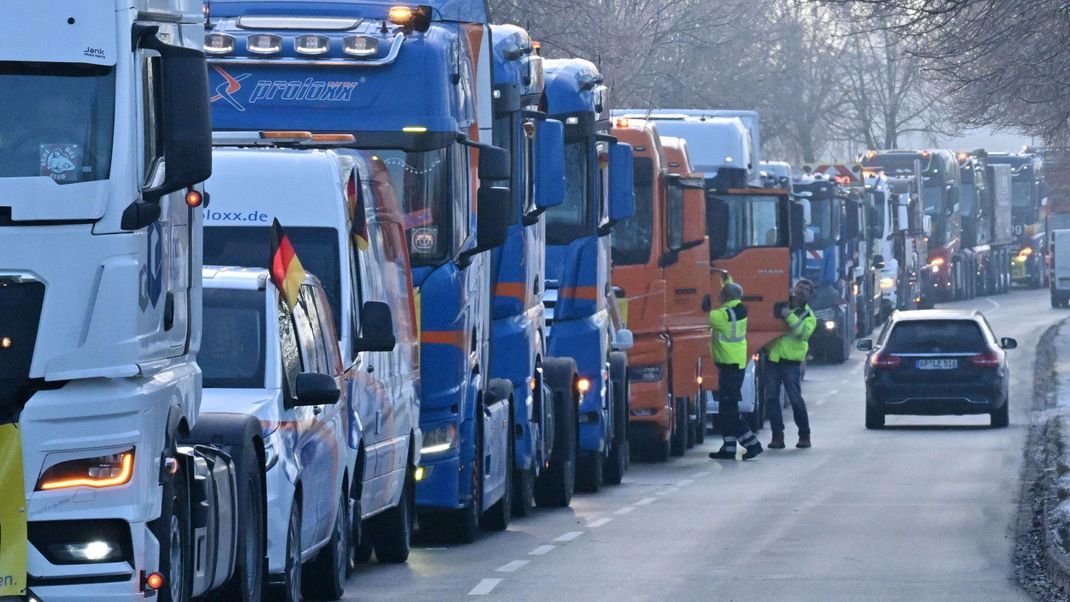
{"x":250,"y":247}
{"x":233,"y":339}
{"x":57,"y":121}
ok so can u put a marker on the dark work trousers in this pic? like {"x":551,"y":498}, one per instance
{"x":729,"y":394}
{"x":789,"y":375}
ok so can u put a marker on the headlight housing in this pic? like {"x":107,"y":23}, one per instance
{"x":110,"y":470}
{"x":887,"y":283}
{"x":439,"y":439}
{"x":644,"y":374}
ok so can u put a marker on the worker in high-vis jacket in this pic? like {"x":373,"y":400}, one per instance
{"x":728,"y":346}
{"x":784,"y":365}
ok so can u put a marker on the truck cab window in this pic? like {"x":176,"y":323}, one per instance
{"x":633,"y":237}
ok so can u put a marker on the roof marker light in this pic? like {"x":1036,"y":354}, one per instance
{"x":414,"y":129}
{"x":218,"y":43}
{"x":264,"y":43}
{"x":312,"y":45}
{"x":286,"y":135}
{"x":360,"y":46}
{"x":418,"y":18}
{"x":336,"y":138}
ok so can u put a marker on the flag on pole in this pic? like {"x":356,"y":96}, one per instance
{"x":286,"y":270}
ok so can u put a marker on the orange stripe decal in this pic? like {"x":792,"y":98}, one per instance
{"x":586,"y":293}
{"x":510,"y":289}
{"x":443,"y":337}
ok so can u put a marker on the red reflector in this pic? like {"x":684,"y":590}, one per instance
{"x":985,"y":360}
{"x":886,"y":361}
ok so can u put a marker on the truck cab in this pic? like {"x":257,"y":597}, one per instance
{"x":598,"y":171}
{"x":1029,"y":200}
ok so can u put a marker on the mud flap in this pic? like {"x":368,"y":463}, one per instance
{"x":12,"y":514}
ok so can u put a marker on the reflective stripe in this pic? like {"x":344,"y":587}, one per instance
{"x":735,"y":338}
{"x":794,"y":330}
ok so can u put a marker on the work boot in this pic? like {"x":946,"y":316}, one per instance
{"x":752,"y":451}
{"x":777,"y":442}
{"x":723,"y":454}
{"x":804,"y":442}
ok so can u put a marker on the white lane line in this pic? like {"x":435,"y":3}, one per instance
{"x":645,"y":501}
{"x":598,"y":523}
{"x":993,"y":302}
{"x":542,"y":550}
{"x":625,"y":510}
{"x":685,"y":482}
{"x":669,"y":491}
{"x":699,"y":475}
{"x":833,"y":392}
{"x":485,"y":587}
{"x":571,"y":535}
{"x":512,"y":567}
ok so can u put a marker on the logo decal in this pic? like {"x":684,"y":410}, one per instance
{"x":308,"y":89}
{"x":228,"y":88}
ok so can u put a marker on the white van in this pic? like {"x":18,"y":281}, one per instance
{"x":1059,"y":259}
{"x":330,"y":205}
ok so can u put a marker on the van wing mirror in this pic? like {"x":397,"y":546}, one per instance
{"x":187,"y":117}
{"x":376,"y":328}
{"x":621,"y":179}
{"x":314,"y":389}
{"x":492,"y":217}
{"x":549,"y":164}
{"x":494,"y":163}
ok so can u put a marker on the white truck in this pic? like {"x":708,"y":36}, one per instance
{"x":111,"y":488}
{"x":1059,"y":259}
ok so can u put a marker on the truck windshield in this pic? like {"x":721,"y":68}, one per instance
{"x":233,"y":339}
{"x":632,"y":237}
{"x":1022,"y":192}
{"x":570,"y":220}
{"x":738,"y":222}
{"x":422,"y":183}
{"x":822,"y":222}
{"x":968,"y":195}
{"x":56,"y":121}
{"x":901,"y":164}
{"x":249,"y":247}
{"x":933,"y":196}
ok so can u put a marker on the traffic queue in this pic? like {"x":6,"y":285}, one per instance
{"x":388,"y":271}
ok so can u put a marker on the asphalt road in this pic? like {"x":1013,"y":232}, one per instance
{"x":924,"y":510}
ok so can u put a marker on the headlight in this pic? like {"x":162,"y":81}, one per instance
{"x":887,"y":283}
{"x":439,"y":439}
{"x":830,"y":324}
{"x":644,"y":374}
{"x":97,"y":472}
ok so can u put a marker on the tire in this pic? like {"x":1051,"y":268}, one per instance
{"x":590,"y":472}
{"x":839,"y":353}
{"x":1001,"y":418}
{"x":1055,"y":301}
{"x":290,"y":589}
{"x":391,"y":532}
{"x":497,"y":516}
{"x":524,"y":491}
{"x":617,"y":462}
{"x":172,"y":530}
{"x":678,"y":440}
{"x":700,"y":427}
{"x":466,"y":520}
{"x":359,"y":550}
{"x":325,"y":577}
{"x":874,"y":418}
{"x":555,"y":486}
{"x":690,"y":430}
{"x":658,"y":450}
{"x":247,"y":582}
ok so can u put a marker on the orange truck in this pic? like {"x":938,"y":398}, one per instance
{"x":658,"y":257}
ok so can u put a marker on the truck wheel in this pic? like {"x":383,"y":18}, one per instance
{"x":1001,"y":417}
{"x":172,"y":530}
{"x":498,"y":515}
{"x":839,"y":353}
{"x":391,"y":532}
{"x":678,"y":440}
{"x":700,"y":424}
{"x":555,"y":485}
{"x":290,"y":589}
{"x":659,"y":450}
{"x":590,"y":472}
{"x":617,"y":462}
{"x":690,"y":430}
{"x":247,"y":582}
{"x":325,"y":577}
{"x":466,"y":523}
{"x":524,"y":491}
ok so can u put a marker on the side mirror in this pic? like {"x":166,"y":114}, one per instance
{"x":717,"y":218}
{"x":314,"y":389}
{"x":549,"y":164}
{"x":376,"y":328}
{"x":494,"y":163}
{"x":864,"y":344}
{"x":621,"y":175}
{"x":797,"y":228}
{"x":623,"y":340}
{"x":927,"y":225}
{"x":493,"y":217}
{"x":694,"y":216}
{"x":187,"y":117}
{"x":878,"y":262}
{"x":1008,"y":343}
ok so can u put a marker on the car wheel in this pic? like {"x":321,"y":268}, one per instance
{"x":1001,"y":418}
{"x":325,"y":577}
{"x":874,"y":418}
{"x":391,"y":532}
{"x":290,"y":588}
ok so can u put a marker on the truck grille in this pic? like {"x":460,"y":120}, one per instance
{"x":20,"y":315}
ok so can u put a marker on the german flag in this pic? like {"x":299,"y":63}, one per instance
{"x":286,"y":270}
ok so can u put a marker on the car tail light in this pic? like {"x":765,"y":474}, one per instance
{"x":886,"y":361}
{"x":989,"y":359}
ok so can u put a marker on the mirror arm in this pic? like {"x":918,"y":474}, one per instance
{"x":532,"y":114}
{"x":606,"y":138}
{"x":606,"y":228}
{"x":532,"y":217}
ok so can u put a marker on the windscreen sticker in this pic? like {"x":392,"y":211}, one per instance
{"x":13,"y":546}
{"x":61,"y":161}
{"x":424,"y":240}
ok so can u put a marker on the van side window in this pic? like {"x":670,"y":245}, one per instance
{"x":311,"y":353}
{"x":291,"y":357}
{"x":328,"y":334}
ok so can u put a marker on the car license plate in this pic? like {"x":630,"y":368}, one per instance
{"x":937,"y":364}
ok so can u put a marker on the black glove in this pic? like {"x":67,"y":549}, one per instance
{"x":707,"y":303}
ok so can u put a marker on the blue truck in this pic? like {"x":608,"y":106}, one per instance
{"x":598,"y":194}
{"x":410,"y":88}
{"x":544,"y":387}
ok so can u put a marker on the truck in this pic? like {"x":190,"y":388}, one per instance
{"x":1029,"y":200}
{"x":752,"y":231}
{"x":116,"y":485}
{"x":1059,"y":256}
{"x":409,"y":87}
{"x":950,"y":273}
{"x":903,"y":278}
{"x":987,"y":230}
{"x":657,"y":257}
{"x":598,"y":195}
{"x":545,"y":413}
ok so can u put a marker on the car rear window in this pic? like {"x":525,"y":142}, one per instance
{"x":936,"y":336}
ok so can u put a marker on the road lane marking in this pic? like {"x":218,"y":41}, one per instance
{"x":833,"y":392}
{"x":598,"y":523}
{"x":669,"y":491}
{"x":699,"y":475}
{"x":684,"y":483}
{"x":542,"y":550}
{"x":625,"y":510}
{"x":645,"y":501}
{"x":512,"y":567}
{"x":569,"y":536}
{"x":485,"y":587}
